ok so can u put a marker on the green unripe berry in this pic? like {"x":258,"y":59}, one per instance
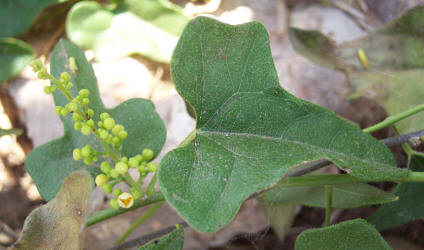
{"x":124,"y":159}
{"x":77,"y":125}
{"x":152,"y":167}
{"x":105,"y":167}
{"x":147,"y":154}
{"x":65,"y":77}
{"x":114,"y":204}
{"x":123,"y":134}
{"x":90,"y":112}
{"x":109,"y":123}
{"x":135,"y":194}
{"x":107,"y":187}
{"x":87,"y":160}
{"x":133,"y":162}
{"x":77,"y":117}
{"x":113,"y":173}
{"x":77,"y":154}
{"x":101,"y":179}
{"x":117,"y":191}
{"x":73,"y":106}
{"x":104,"y":115}
{"x":86,"y":151}
{"x":84,"y":93}
{"x":58,"y":110}
{"x":121,"y":168}
{"x":117,"y":128}
{"x":85,"y":130}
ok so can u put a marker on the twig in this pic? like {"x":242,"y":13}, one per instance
{"x":148,"y":237}
{"x":396,"y":140}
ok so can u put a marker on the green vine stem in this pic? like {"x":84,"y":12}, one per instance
{"x":393,"y":119}
{"x":142,"y":219}
{"x":329,"y":205}
{"x":110,"y":212}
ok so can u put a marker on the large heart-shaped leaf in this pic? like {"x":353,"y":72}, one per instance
{"x":410,"y":205}
{"x":147,"y":27}
{"x":60,"y":223}
{"x":18,"y":15}
{"x":50,"y":163}
{"x":172,"y":241}
{"x":249,"y":130}
{"x":391,"y":71}
{"x":14,"y":56}
{"x":344,"y":196}
{"x":347,"y":235}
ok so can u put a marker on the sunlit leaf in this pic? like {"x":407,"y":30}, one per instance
{"x":249,"y":130}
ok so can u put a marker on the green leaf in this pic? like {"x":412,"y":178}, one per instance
{"x":171,"y":241}
{"x":410,"y":205}
{"x":249,"y":130}
{"x":17,"y":16}
{"x":344,"y":196}
{"x":280,"y":216}
{"x":60,"y":223}
{"x":147,"y":27}
{"x":395,"y":55}
{"x":12,"y":131}
{"x":14,"y":56}
{"x":352,"y":234}
{"x":50,"y":163}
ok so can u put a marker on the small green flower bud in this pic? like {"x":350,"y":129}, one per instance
{"x":77,"y":125}
{"x":123,"y":134}
{"x":86,"y":151}
{"x":85,"y":101}
{"x":113,"y":173}
{"x":132,"y":162}
{"x":121,"y":168}
{"x":101,"y":179}
{"x":64,"y":111}
{"x":90,"y":123}
{"x":100,"y":124}
{"x":42,"y":74}
{"x":142,"y":169}
{"x":65,"y":77}
{"x":116,"y":140}
{"x":114,"y":204}
{"x":77,"y":154}
{"x":95,"y":158}
{"x":36,"y":65}
{"x":152,"y":167}
{"x":73,"y":106}
{"x":103,"y":134}
{"x":147,"y":154}
{"x":47,"y":90}
{"x":107,"y":187}
{"x":69,"y":85}
{"x":139,"y":158}
{"x":58,"y":110}
{"x":117,"y":191}
{"x":124,"y":159}
{"x":84,"y":93}
{"x":117,"y":128}
{"x":135,"y":194}
{"x":77,"y":117}
{"x":90,"y":112}
{"x":104,"y":115}
{"x":87,"y":160}
{"x":85,"y":130}
{"x":109,"y":123}
{"x":105,"y":167}
{"x":125,"y":200}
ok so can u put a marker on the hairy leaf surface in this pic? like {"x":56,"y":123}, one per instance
{"x":394,"y":67}
{"x":50,"y":163}
{"x":14,"y":56}
{"x":410,"y":205}
{"x":60,"y":223}
{"x":147,"y":27}
{"x":347,"y":235}
{"x":249,"y":130}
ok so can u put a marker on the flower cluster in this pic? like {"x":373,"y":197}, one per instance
{"x":114,"y":166}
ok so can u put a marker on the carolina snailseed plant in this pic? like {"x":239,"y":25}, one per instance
{"x":249,"y":133}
